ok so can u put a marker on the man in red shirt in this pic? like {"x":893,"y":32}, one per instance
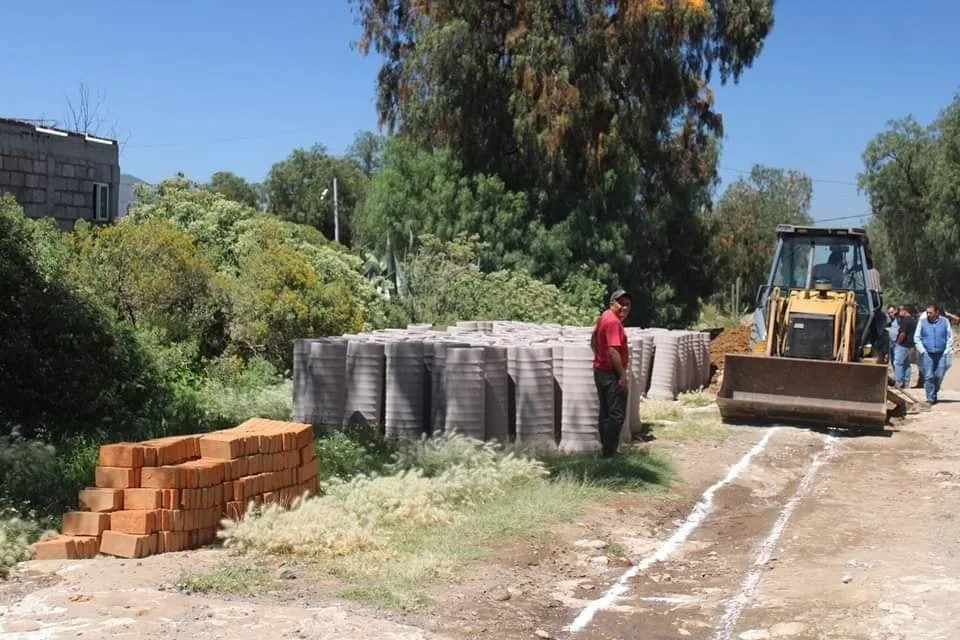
{"x":610,"y":355}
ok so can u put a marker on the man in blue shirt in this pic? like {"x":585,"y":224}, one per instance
{"x":934,"y":340}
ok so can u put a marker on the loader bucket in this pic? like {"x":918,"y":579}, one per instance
{"x":759,"y":388}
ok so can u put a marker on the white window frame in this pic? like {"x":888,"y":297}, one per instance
{"x":101,"y":202}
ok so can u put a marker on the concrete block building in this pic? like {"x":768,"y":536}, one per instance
{"x":59,"y":174}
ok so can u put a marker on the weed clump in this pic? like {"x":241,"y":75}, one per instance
{"x":16,"y":534}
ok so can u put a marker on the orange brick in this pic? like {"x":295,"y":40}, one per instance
{"x":141,"y":522}
{"x":85,"y":523}
{"x":65,"y":547}
{"x":172,"y":520}
{"x":87,"y":546}
{"x":211,"y":471}
{"x":208,"y":535}
{"x":254,"y":465}
{"x":167,"y":477}
{"x":309,"y":470}
{"x":60,"y":547}
{"x":235,"y":510}
{"x":126,"y":545}
{"x":170,"y":498}
{"x":121,"y":454}
{"x":307,"y":454}
{"x":149,"y":456}
{"x":226,"y":491}
{"x":117,"y":477}
{"x":193,"y":539}
{"x":173,"y":450}
{"x":223,"y":445}
{"x":142,"y":499}
{"x":238,"y":468}
{"x":171,"y":541}
{"x":189,"y":498}
{"x":103,"y":500}
{"x":303,"y":433}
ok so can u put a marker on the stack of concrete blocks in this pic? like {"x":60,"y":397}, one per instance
{"x":171,"y":494}
{"x":504,"y":381}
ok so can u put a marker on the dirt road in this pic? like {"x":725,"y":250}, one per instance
{"x":795,"y":534}
{"x":820,"y":537}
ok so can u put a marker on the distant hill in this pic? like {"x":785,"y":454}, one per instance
{"x":127,"y":182}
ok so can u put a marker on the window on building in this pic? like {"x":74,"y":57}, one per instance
{"x":101,"y":202}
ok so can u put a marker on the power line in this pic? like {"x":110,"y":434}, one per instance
{"x":838,"y":218}
{"x":821,"y":180}
{"x":266,"y":136}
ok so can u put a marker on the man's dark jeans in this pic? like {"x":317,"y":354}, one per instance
{"x":613,"y":410}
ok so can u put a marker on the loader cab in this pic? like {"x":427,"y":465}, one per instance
{"x":806,"y":256}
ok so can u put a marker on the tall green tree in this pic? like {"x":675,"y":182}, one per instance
{"x":912,"y":178}
{"x":745,"y":220}
{"x":418,"y":191}
{"x":234,"y":187}
{"x":367,"y":151}
{"x":300,"y":189}
{"x":599,"y":111}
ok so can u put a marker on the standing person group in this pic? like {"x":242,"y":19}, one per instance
{"x":927,"y":337}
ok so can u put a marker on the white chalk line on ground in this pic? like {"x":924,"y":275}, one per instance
{"x":736,"y":605}
{"x":697,"y":515}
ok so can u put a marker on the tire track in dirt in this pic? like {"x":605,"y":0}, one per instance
{"x":686,"y":594}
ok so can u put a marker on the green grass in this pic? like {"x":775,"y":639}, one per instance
{"x":234,"y":580}
{"x":631,"y":470}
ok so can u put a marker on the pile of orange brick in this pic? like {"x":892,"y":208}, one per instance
{"x":170,"y":494}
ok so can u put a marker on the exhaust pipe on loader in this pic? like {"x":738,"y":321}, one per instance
{"x":759,"y":388}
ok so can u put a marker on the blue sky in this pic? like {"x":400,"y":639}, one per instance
{"x":202,"y":86}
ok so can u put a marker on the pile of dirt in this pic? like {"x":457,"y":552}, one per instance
{"x":731,"y":340}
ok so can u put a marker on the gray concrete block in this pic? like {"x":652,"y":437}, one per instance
{"x":68,"y":171}
{"x":11,"y":163}
{"x":26,"y":165}
{"x":17,"y":179}
{"x":79,"y":200}
{"x":40,"y":166}
{"x":38,"y":196}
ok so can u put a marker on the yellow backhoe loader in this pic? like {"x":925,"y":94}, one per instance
{"x":819,"y":346}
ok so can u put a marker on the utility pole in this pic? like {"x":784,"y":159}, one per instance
{"x":336,"y":213}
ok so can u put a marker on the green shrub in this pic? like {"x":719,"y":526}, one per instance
{"x":66,"y":367}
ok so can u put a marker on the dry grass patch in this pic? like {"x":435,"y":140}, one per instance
{"x":702,"y":426}
{"x":16,"y":534}
{"x":445,"y":504}
{"x":693,"y":399}
{"x":396,"y":577}
{"x":660,"y":410}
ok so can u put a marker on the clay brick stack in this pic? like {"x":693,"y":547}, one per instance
{"x":170,"y":494}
